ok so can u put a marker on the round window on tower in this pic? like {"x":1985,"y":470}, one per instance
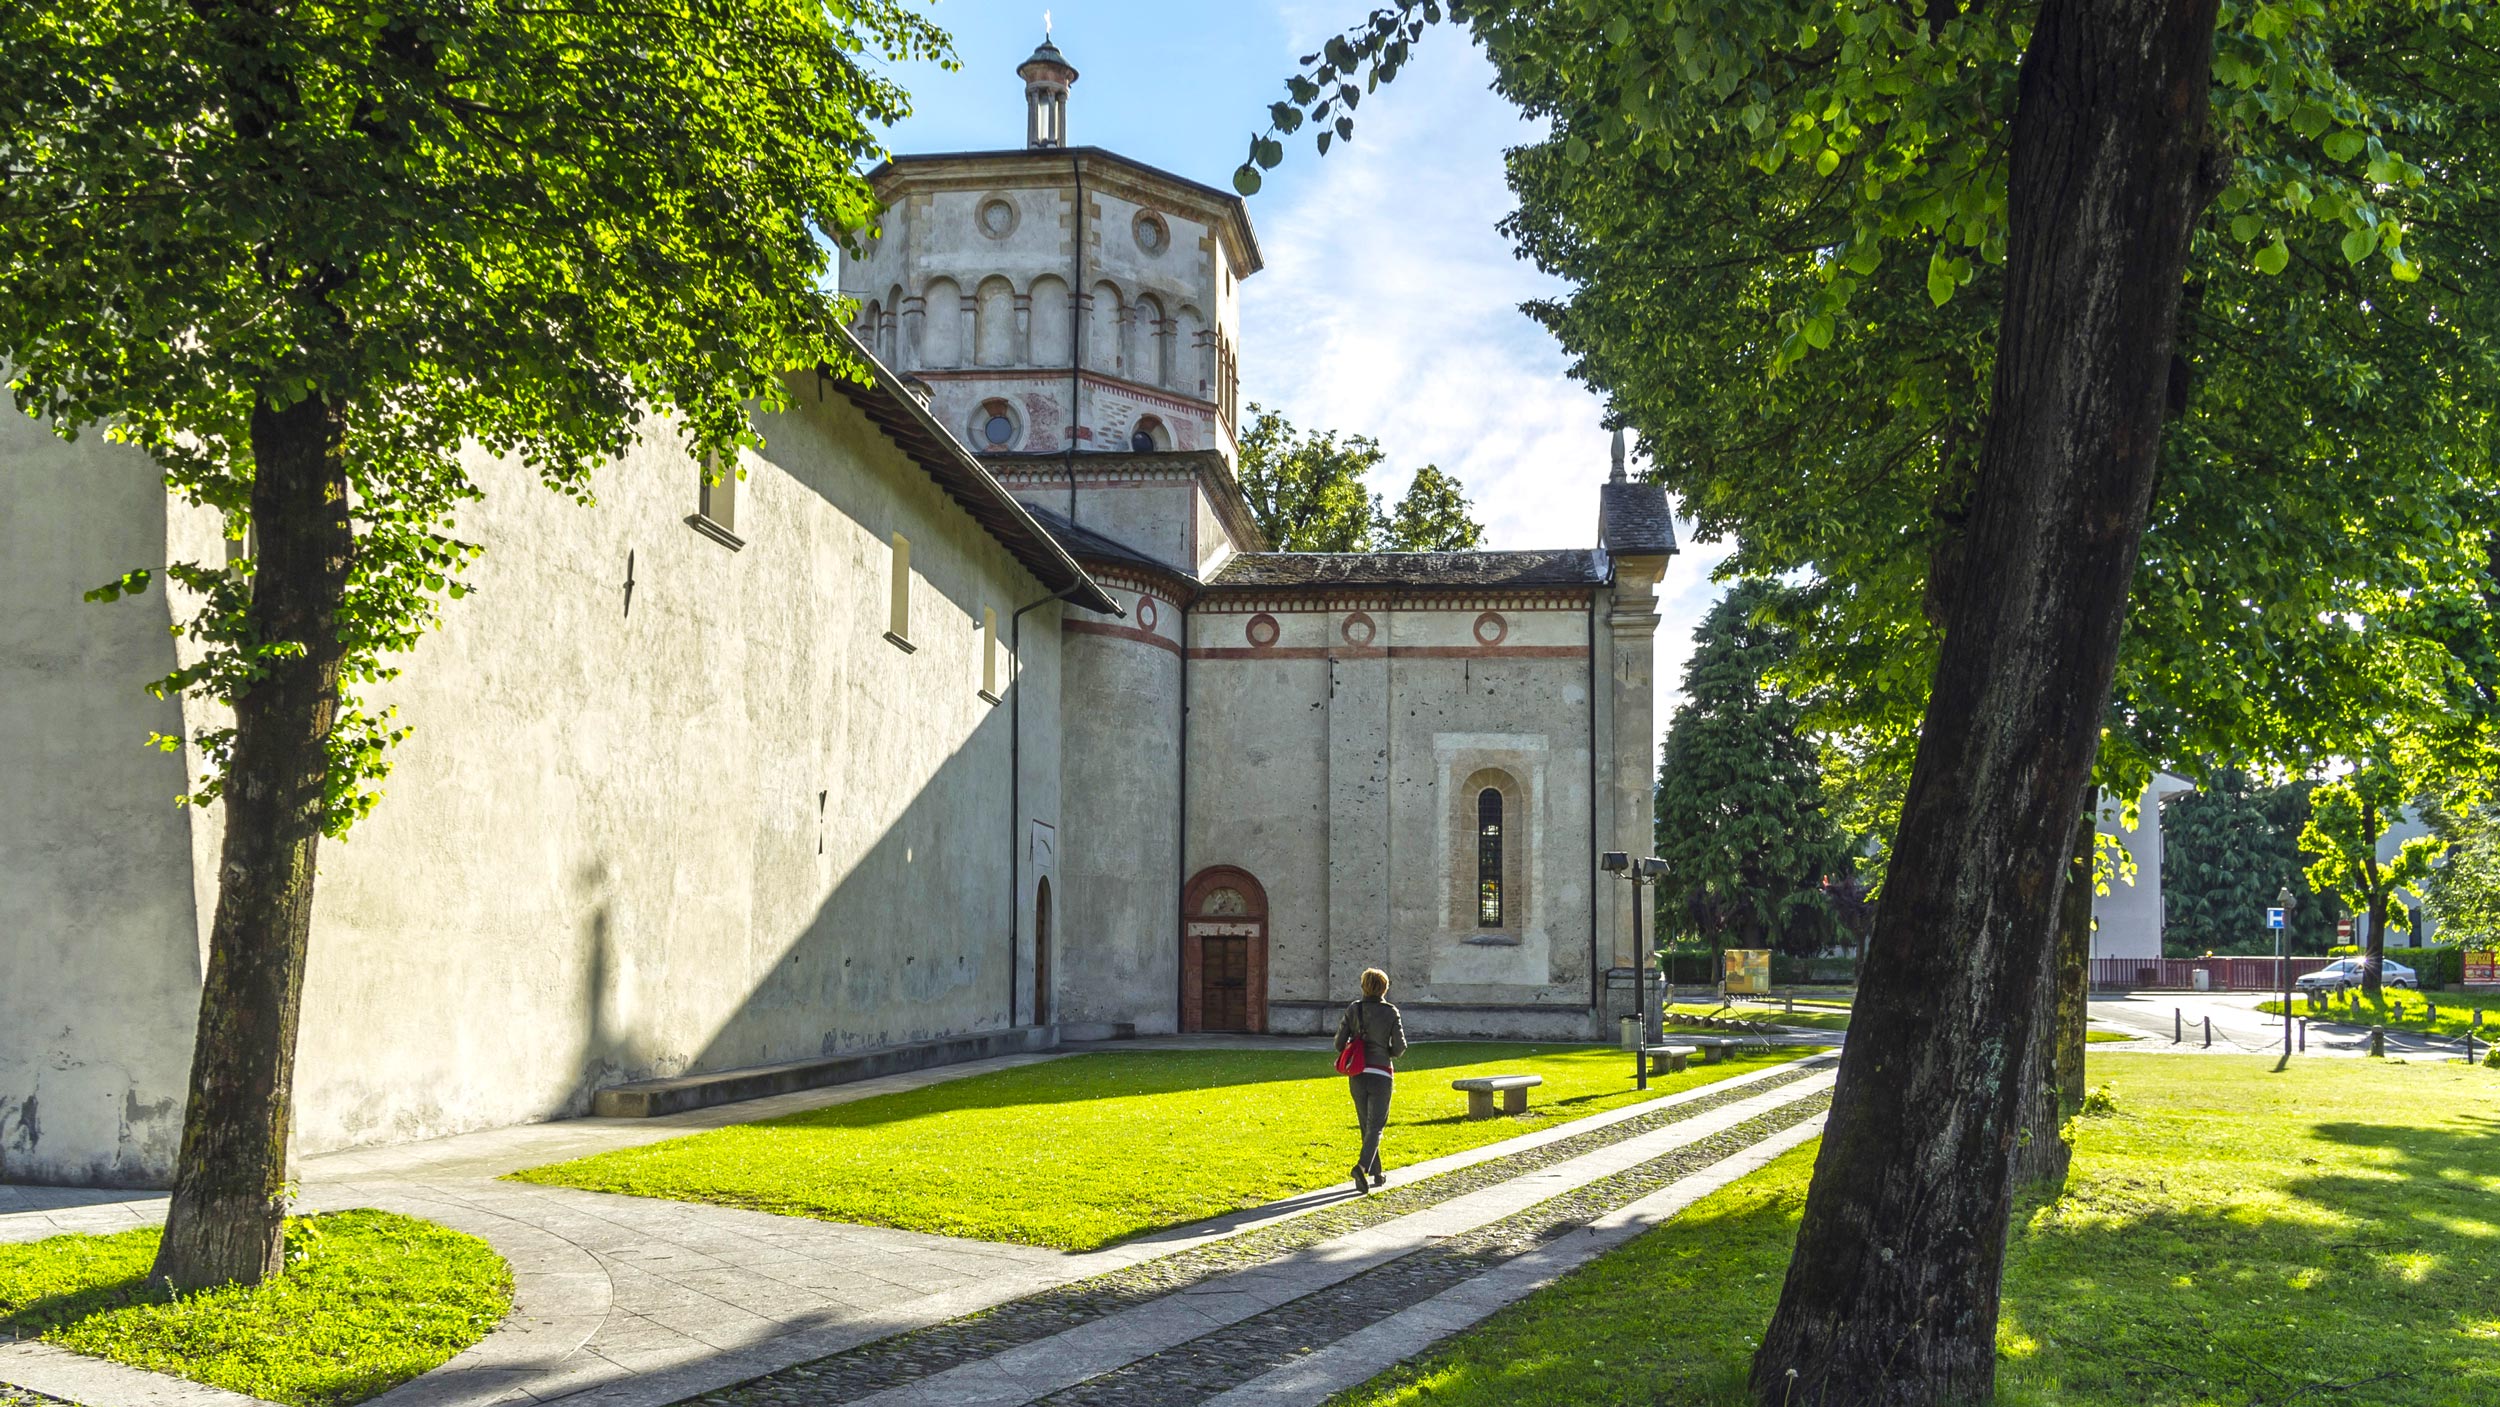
{"x":996,"y":427}
{"x":998,"y":217}
{"x":1152,"y":234}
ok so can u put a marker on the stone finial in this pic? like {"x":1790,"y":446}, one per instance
{"x":1617,"y":475}
{"x":1047,"y":76}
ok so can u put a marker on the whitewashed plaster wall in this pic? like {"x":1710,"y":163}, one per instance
{"x":728,"y":822}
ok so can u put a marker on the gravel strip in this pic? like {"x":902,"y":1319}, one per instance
{"x":1233,"y":1355}
{"x":919,"y":1353}
{"x":28,"y":1397}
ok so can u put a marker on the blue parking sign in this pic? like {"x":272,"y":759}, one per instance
{"x":2274,"y":918}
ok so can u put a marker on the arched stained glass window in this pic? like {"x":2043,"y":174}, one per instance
{"x":1489,"y":858}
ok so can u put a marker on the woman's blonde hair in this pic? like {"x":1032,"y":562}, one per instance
{"x":1375,"y":983}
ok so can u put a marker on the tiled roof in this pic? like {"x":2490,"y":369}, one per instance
{"x":1087,"y":545}
{"x":1273,"y":570}
{"x":908,"y":423}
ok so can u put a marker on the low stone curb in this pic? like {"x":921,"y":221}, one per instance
{"x":58,"y":1374}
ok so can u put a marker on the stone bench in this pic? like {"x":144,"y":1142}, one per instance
{"x":1668,"y":1059}
{"x":1713,"y":1049}
{"x":1480,"y":1090}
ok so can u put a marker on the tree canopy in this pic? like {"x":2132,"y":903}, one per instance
{"x":1742,"y":822}
{"x":2227,"y":849}
{"x":2464,"y":891}
{"x":1308,"y":493}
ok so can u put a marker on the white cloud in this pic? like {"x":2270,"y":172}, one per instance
{"x":1390,"y":307}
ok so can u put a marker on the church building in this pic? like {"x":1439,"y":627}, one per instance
{"x":976,"y":717}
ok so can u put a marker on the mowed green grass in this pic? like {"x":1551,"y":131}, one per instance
{"x":1085,"y":1151}
{"x":2408,"y":1011}
{"x":369,"y":1300}
{"x":1825,"y":1019}
{"x":2230,"y":1236}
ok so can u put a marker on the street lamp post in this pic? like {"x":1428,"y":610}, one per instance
{"x":2283,"y":902}
{"x":1642,"y":872}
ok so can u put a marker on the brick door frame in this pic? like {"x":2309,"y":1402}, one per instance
{"x":1197,"y":925}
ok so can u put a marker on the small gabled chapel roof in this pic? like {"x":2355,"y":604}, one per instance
{"x":1578,"y":566}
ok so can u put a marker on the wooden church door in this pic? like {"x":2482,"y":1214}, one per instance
{"x":1224,"y":952}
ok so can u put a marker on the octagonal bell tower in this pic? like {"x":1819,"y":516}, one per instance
{"x":1055,"y":297}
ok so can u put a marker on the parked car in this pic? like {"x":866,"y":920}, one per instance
{"x":2344,"y":974}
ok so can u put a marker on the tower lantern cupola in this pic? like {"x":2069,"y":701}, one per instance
{"x":1047,"y":76}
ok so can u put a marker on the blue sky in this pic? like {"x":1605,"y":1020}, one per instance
{"x":1390,"y":303}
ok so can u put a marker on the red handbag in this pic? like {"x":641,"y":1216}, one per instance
{"x":1350,"y":1059}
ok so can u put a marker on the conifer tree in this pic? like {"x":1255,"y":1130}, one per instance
{"x":1742,"y":822}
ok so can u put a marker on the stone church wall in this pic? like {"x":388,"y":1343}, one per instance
{"x":1339,"y":764}
{"x":667,"y":807}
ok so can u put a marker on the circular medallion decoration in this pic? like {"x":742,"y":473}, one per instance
{"x":1358,"y":629}
{"x":998,"y":218}
{"x":1490,"y":628}
{"x":1262,"y":630}
{"x":1147,"y":615}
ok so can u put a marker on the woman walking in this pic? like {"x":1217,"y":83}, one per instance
{"x":1375,"y":1024}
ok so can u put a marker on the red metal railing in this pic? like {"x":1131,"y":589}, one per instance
{"x":2179,"y":974}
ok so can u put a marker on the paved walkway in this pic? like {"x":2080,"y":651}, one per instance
{"x":633,"y":1302}
{"x":2240,"y":1029}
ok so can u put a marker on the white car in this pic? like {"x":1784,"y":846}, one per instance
{"x":2344,"y":974}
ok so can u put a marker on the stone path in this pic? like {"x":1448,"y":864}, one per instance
{"x":632,"y":1302}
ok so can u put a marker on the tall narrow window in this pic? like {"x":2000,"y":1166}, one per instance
{"x":989,"y":653}
{"x":718,"y":500}
{"x":898,"y":609}
{"x":1489,"y":858}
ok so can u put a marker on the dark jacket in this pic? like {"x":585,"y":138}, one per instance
{"x":1377,"y":1025}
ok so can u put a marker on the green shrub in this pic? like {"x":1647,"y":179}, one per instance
{"x":2440,"y":965}
{"x":2344,"y":950}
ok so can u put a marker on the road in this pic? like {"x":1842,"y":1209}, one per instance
{"x":2239,"y":1028}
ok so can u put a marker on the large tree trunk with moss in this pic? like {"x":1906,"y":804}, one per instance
{"x":226,"y":1223}
{"x":1891,"y":1297}
{"x":2053,"y":1091}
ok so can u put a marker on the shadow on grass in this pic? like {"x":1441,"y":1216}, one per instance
{"x":2335,"y":1287}
{"x":45,"y":1313}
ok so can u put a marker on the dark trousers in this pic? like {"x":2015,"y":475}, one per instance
{"x":1371,"y":1110}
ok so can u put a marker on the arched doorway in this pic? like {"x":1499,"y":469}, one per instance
{"x":1041,"y":951}
{"x":1224,"y":952}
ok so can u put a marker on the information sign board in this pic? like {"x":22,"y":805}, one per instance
{"x":1747,"y":971}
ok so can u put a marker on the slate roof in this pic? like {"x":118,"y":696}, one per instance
{"x":935,"y":449}
{"x":1415,"y":570}
{"x":1087,"y":545}
{"x":1633,"y":520}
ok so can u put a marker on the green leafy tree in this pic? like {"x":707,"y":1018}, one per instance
{"x":2070,"y":153}
{"x":1741,"y":818}
{"x":2347,"y":818}
{"x":1307,"y":494}
{"x":2463,"y":895}
{"x":2227,"y":850}
{"x":306,"y":254}
{"x":1434,"y":516}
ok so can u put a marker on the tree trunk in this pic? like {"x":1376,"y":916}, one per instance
{"x":226,"y":1222}
{"x":2054,"y":1089}
{"x":2374,"y":955}
{"x":1891,"y":1297}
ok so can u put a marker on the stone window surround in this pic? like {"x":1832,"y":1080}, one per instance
{"x":1518,"y":845}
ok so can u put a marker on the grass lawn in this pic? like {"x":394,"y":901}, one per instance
{"x":1091,"y":1149}
{"x":369,"y":1300}
{"x":1821,"y":1020}
{"x":2407,"y":1011}
{"x":2105,"y":1037}
{"x":2229,"y":1237}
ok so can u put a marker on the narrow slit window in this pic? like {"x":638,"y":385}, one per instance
{"x":1489,"y":858}
{"x":989,"y":653}
{"x":898,"y":610}
{"x":718,"y":497}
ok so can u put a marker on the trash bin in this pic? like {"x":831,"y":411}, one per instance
{"x":1631,"y":1034}
{"x":2203,"y":979}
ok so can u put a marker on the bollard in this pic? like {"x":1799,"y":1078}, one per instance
{"x":2177,"y":1033}
{"x":2209,"y":1031}
{"x":2378,"y":1041}
{"x":2304,"y":1034}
